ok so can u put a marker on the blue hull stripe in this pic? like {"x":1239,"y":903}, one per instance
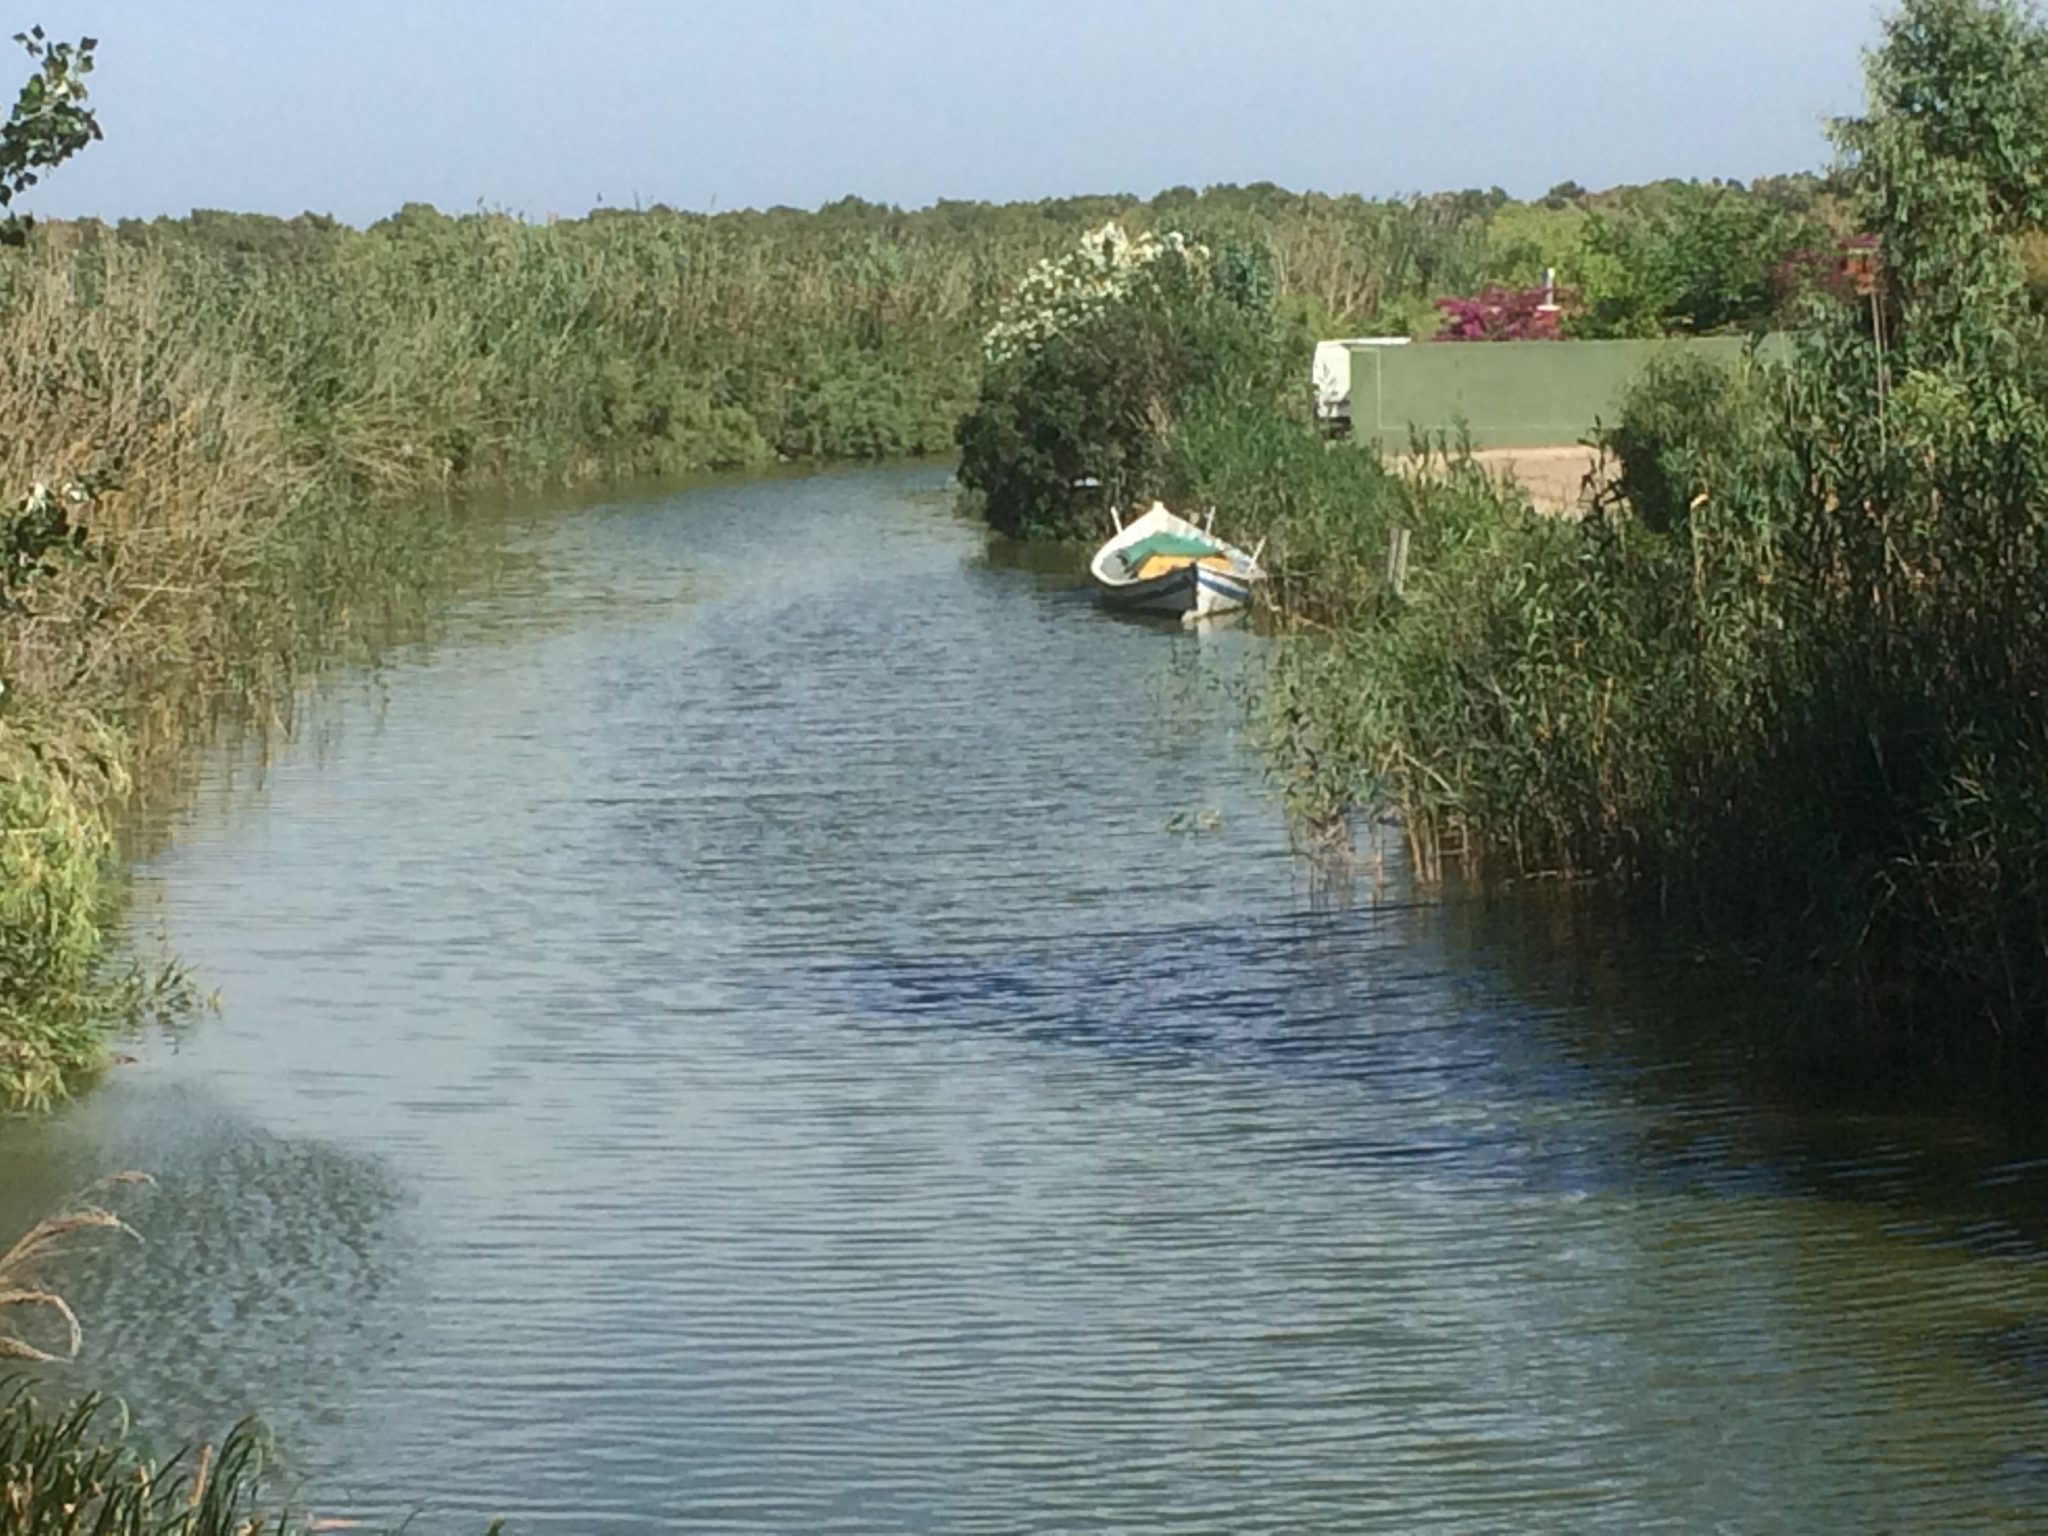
{"x":1178,"y":591}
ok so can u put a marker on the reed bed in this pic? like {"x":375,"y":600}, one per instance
{"x":1786,"y":684}
{"x":72,"y":1472}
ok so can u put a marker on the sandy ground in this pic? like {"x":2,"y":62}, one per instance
{"x":1555,"y":478}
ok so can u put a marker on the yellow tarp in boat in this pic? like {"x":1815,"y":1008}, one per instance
{"x":1159,"y":565}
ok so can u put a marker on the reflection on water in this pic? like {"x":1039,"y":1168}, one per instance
{"x":781,"y":1022}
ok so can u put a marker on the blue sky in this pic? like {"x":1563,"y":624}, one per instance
{"x":354,"y":107}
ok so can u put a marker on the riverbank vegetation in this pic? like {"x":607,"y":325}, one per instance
{"x":1785,"y":683}
{"x":74,"y":1469}
{"x":1789,"y":682}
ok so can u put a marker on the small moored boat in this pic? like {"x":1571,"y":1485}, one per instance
{"x":1162,"y":563}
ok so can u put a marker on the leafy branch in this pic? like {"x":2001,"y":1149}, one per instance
{"x":51,"y":120}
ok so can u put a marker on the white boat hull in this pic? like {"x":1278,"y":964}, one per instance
{"x":1191,"y":590}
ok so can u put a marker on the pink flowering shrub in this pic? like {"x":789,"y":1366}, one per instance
{"x":1503,"y":314}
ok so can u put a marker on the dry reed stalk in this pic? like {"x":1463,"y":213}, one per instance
{"x":39,"y":1245}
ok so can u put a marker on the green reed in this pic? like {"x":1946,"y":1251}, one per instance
{"x":1787,"y":684}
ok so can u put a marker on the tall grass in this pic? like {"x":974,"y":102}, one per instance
{"x":1349,"y":671}
{"x":72,"y":1471}
{"x":23,"y":1290}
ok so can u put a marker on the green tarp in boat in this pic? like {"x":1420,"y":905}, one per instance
{"x":1168,"y":544}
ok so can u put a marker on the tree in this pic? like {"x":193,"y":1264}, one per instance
{"x":1687,"y":258}
{"x":1951,"y":162}
{"x":51,"y":121}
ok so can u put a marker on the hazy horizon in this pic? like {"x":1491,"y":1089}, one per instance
{"x":536,"y":107}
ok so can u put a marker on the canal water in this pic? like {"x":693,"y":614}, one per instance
{"x":775,"y":1021}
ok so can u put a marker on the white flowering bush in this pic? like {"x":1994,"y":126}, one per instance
{"x":1092,"y":362}
{"x":1108,"y":268}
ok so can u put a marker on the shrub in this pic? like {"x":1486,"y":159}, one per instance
{"x":1694,"y":430}
{"x":1686,"y":258}
{"x":866,"y":408}
{"x":1091,"y":365}
{"x":1503,"y":314}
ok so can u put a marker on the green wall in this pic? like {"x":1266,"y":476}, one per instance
{"x":1509,"y":394}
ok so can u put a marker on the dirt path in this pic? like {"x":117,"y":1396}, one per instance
{"x":1555,"y":478}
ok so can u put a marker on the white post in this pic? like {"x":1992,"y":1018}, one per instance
{"x":1397,"y":562}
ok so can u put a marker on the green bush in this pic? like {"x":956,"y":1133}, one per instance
{"x":1695,"y":431}
{"x":866,"y":408}
{"x":1092,"y":368}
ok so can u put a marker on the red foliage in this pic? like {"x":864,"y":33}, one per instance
{"x":1846,"y":273}
{"x":1503,"y":314}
